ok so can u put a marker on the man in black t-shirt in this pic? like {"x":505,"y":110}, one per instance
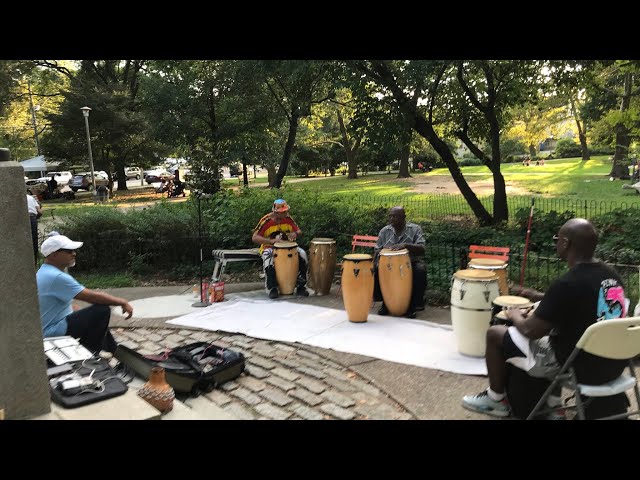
{"x":589,"y":292}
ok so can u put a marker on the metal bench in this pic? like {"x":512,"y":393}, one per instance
{"x":222,"y":257}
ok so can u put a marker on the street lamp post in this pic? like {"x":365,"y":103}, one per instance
{"x":85,"y":113}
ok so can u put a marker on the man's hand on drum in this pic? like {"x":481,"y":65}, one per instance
{"x":292,"y":236}
{"x":399,"y":246}
{"x":513,"y":312}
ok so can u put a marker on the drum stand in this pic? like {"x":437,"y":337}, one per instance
{"x":206,"y":302}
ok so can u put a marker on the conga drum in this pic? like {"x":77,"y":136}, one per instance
{"x":322,"y":264}
{"x":285,"y":261}
{"x":396,"y":280}
{"x":472,"y":294}
{"x":498,"y":317}
{"x":357,"y":285}
{"x":499,"y":267}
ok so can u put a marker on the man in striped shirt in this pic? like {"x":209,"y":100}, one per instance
{"x":278,"y":226}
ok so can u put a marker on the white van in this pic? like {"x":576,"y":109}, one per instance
{"x":63,"y":178}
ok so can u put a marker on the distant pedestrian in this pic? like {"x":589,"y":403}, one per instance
{"x":35,"y":212}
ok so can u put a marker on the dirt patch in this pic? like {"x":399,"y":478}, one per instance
{"x":430,"y":183}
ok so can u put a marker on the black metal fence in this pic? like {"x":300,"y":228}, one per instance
{"x":180,"y":256}
{"x":540,"y":270}
{"x":448,"y":206}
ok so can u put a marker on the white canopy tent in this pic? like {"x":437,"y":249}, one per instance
{"x":37,"y":164}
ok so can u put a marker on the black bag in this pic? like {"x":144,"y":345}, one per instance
{"x":110,"y":385}
{"x":523,"y":391}
{"x":196,"y":367}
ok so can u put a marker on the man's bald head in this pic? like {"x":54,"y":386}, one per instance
{"x":582,"y":236}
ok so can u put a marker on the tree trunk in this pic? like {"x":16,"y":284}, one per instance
{"x":271,"y":174}
{"x":245,"y":180}
{"x":582,"y":136}
{"x":404,"y":156}
{"x":623,"y":140}
{"x":122,"y":177}
{"x":351,"y":161}
{"x":532,"y":150}
{"x":288,"y":148}
{"x":427,"y":131}
{"x":500,"y":206}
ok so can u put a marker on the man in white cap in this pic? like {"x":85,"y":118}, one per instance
{"x":56,"y":291}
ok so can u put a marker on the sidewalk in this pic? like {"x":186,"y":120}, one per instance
{"x":294,"y":381}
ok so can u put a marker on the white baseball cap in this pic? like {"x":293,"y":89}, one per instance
{"x":58,"y":242}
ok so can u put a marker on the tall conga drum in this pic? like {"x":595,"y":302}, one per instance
{"x":285,"y":261}
{"x":472,"y":294}
{"x":322,"y":264}
{"x":396,"y":279}
{"x":357,"y":285}
{"x":499,"y":267}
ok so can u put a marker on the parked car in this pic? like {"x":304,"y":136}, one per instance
{"x":82,"y":181}
{"x":63,"y":178}
{"x":130,"y":172}
{"x":154,"y":176}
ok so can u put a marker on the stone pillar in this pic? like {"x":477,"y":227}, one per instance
{"x":24,"y":389}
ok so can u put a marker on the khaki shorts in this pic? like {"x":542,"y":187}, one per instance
{"x":534,"y":356}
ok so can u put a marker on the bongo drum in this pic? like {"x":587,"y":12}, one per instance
{"x":396,"y":280}
{"x":357,"y":285}
{"x":506,"y":301}
{"x":472,"y":293}
{"x":285,"y":261}
{"x":499,"y":267}
{"x":322,"y":264}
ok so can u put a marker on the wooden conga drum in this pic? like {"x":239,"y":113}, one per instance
{"x":322,"y":264}
{"x":357,"y":285}
{"x":285,"y":261}
{"x":499,"y":267}
{"x":396,"y":280}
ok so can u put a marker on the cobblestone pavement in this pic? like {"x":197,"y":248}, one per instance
{"x":282,"y":381}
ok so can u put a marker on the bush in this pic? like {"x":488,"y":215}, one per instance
{"x":469,"y":162}
{"x":567,"y":148}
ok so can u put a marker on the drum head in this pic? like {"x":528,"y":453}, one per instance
{"x":487,"y":263}
{"x":512,"y":301}
{"x":387,"y":252}
{"x":285,"y":245}
{"x":356,"y":257}
{"x":501,"y":315}
{"x":323,"y":241}
{"x":477,"y":275}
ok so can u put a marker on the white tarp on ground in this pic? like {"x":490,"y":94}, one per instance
{"x":402,"y":340}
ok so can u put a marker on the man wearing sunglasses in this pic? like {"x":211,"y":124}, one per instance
{"x":56,"y":291}
{"x":541,"y":342}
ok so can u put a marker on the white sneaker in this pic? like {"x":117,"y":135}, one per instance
{"x":483,"y":403}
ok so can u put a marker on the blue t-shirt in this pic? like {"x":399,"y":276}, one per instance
{"x":56,"y":290}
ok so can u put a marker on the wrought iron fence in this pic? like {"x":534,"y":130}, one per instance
{"x":448,"y":206}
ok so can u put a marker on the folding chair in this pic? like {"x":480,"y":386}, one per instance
{"x":495,"y":253}
{"x":617,"y":339}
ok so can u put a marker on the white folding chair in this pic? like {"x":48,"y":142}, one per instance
{"x":616,"y":339}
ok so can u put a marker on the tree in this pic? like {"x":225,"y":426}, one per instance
{"x":296,"y":85}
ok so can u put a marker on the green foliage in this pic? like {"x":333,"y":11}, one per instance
{"x":544,"y":226}
{"x":469,"y":162}
{"x":105,"y":280}
{"x":566,"y":148}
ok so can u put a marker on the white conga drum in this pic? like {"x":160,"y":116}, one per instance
{"x":396,"y":280}
{"x":507,"y":301}
{"x":322,"y":264}
{"x":285,"y":261}
{"x":357,"y":285}
{"x":499,"y":267}
{"x":472,"y":294}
